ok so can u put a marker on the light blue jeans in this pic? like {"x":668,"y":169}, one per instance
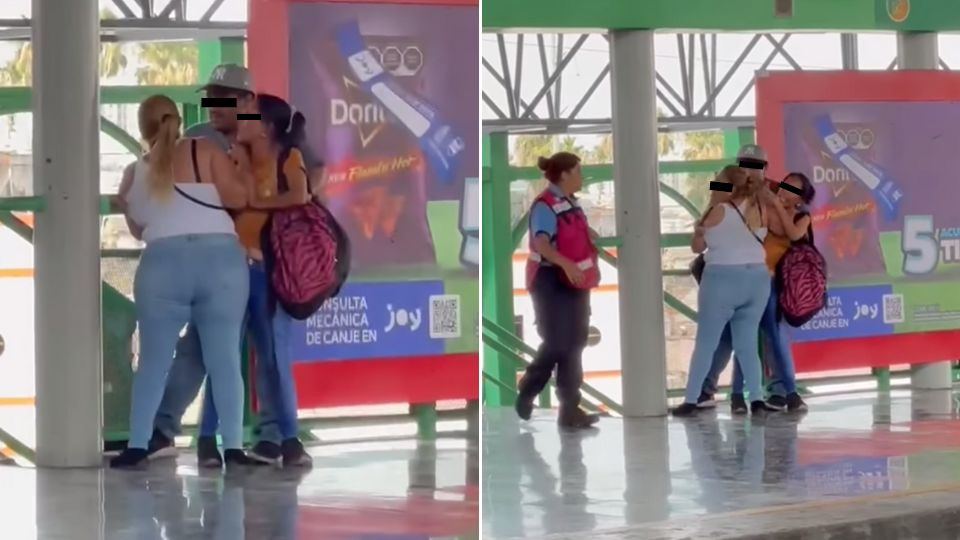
{"x":269,"y":325}
{"x":779,"y":359}
{"x":736,"y":295}
{"x":198,"y":279}
{"x":273,"y":379}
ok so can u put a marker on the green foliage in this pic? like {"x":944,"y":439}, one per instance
{"x":167,"y":64}
{"x":701,"y":145}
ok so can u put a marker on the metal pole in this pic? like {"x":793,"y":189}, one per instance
{"x":66,"y":171}
{"x":919,"y":50}
{"x":850,"y":51}
{"x":642,"y":346}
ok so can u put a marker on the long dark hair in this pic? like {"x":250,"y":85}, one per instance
{"x":286,"y":126}
{"x":807,"y":191}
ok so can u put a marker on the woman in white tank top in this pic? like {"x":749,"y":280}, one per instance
{"x":735,"y":285}
{"x":193,"y":269}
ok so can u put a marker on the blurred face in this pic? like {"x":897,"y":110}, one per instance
{"x":788,"y":198}
{"x":572,"y":181}
{"x":251,"y":130}
{"x":224,"y":119}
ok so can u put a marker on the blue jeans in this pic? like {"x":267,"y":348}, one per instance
{"x":198,"y":279}
{"x":188,"y":373}
{"x":779,"y":361}
{"x":729,"y":295}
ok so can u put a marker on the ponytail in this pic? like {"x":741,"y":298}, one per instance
{"x":161,"y":156}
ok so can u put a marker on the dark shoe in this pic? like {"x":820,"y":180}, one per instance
{"x":706,"y":401}
{"x":685,"y":410}
{"x":576,"y":418}
{"x":234,"y":457}
{"x":795,"y":403}
{"x":161,"y":446}
{"x":760,"y":407}
{"x":524,"y":407}
{"x":208,"y":455}
{"x":133,"y":459}
{"x":778,"y":402}
{"x":266,"y":452}
{"x":294,"y":454}
{"x":738,"y":405}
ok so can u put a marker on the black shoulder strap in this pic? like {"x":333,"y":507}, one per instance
{"x":747,"y":225}
{"x":196,"y":178}
{"x":193,"y":158}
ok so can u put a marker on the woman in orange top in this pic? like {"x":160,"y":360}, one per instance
{"x":261,"y":145}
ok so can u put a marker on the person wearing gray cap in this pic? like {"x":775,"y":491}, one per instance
{"x":187,"y":373}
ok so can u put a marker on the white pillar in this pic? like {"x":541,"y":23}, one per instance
{"x":642,"y":346}
{"x":66,"y":171}
{"x":919,"y":50}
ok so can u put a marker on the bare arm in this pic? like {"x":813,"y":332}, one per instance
{"x":793,"y":231}
{"x":120,"y":202}
{"x":230,"y":180}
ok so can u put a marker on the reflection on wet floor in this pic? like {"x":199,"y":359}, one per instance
{"x":634,"y":473}
{"x":393,"y":490}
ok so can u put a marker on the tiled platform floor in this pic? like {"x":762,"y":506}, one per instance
{"x":355,"y":492}
{"x":718,"y":476}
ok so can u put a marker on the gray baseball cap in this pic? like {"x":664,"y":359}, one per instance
{"x":752,"y":152}
{"x":230,"y":76}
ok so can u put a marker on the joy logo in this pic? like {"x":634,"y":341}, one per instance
{"x":865,"y":311}
{"x":402,"y":317}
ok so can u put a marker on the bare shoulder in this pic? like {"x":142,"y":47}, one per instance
{"x":715,"y":215}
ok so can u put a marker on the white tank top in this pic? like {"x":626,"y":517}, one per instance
{"x":177,"y":215}
{"x":730,"y":242}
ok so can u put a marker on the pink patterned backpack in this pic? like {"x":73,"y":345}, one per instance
{"x":307,"y":254}
{"x":801,"y":282}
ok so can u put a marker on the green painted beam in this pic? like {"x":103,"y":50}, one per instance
{"x":17,"y":99}
{"x":712,"y":15}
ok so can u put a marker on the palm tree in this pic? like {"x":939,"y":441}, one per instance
{"x":701,"y":145}
{"x":166,"y":64}
{"x":19,"y":70}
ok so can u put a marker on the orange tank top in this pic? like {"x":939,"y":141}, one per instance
{"x":249,"y":223}
{"x":775,"y":247}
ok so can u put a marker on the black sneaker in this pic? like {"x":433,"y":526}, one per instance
{"x":795,"y":403}
{"x":738,"y":405}
{"x":524,"y":407}
{"x":161,"y":446}
{"x":685,"y":410}
{"x":760,"y":407}
{"x":706,"y":401}
{"x":208,"y":455}
{"x":266,"y":452}
{"x":294,"y":454}
{"x":778,"y":402}
{"x":234,"y":457}
{"x":576,"y":418}
{"x":133,"y":459}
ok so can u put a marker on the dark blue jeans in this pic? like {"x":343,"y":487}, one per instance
{"x":779,"y":361}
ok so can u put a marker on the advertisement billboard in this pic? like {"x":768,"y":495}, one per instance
{"x":880,"y":150}
{"x":389,"y":90}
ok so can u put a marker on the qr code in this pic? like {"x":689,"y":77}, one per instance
{"x":445,"y":316}
{"x":892,"y":308}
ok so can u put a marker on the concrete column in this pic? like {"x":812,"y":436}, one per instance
{"x":919,"y":50}
{"x":642,"y":346}
{"x":66,"y":171}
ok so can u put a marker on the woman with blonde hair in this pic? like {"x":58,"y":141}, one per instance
{"x":734,"y":287}
{"x":193,"y":269}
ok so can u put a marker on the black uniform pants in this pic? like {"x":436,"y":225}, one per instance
{"x":563,"y":322}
